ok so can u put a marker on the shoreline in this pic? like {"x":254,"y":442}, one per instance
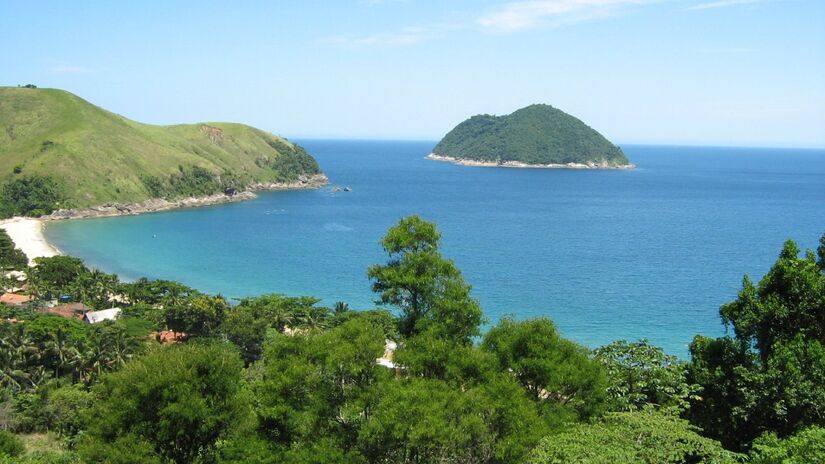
{"x":28,"y":235}
{"x":521,"y":165}
{"x":155,"y":205}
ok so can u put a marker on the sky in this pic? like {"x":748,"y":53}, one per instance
{"x":693,"y":72}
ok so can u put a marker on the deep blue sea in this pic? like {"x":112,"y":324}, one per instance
{"x":649,"y":253}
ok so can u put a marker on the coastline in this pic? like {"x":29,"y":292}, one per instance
{"x":159,"y":204}
{"x":27,"y":235}
{"x":520,"y":165}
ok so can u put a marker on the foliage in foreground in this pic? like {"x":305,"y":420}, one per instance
{"x":640,"y":437}
{"x":172,"y":404}
{"x":769,"y":376}
{"x":806,"y":446}
{"x":281,"y":379}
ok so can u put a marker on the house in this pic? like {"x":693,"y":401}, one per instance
{"x":93,"y":317}
{"x":14,"y":299}
{"x":69,"y":311}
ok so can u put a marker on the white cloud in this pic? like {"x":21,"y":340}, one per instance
{"x":517,"y":16}
{"x":70,"y":69}
{"x":720,"y":4}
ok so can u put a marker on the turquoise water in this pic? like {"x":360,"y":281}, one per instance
{"x":649,"y":253}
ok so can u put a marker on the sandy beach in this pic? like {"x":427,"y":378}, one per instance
{"x":27,"y":234}
{"x":518,"y":164}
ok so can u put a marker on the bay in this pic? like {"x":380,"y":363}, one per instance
{"x":648,"y":253}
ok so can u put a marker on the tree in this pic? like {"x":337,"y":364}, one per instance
{"x":639,"y":437}
{"x":246,"y":332}
{"x":549,"y":367}
{"x":642,"y":375}
{"x":30,"y":196}
{"x":427,"y":288}
{"x":806,"y":446}
{"x":55,"y":275}
{"x":95,"y":288}
{"x":429,"y":355}
{"x":317,"y":385}
{"x":176,"y":402}
{"x":10,"y":445}
{"x":158,"y":292}
{"x":769,"y":376}
{"x":10,"y":257}
{"x":64,"y":409}
{"x":281,"y":311}
{"x":424,"y":421}
{"x":201,"y":315}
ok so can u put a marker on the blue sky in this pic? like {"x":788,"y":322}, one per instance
{"x":705,"y":72}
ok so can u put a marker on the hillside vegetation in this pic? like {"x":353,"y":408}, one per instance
{"x":83,"y":155}
{"x":537,"y":134}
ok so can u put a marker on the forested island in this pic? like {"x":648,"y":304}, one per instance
{"x":168,"y":374}
{"x":58,"y":151}
{"x":534,"y":136}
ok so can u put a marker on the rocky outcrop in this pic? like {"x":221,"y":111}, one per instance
{"x":517,"y":164}
{"x":162,"y":204}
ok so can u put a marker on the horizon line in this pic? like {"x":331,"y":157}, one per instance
{"x":646,"y":144}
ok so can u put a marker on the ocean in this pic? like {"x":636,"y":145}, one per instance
{"x":647,"y":253}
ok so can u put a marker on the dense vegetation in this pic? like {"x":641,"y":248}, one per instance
{"x":11,"y":258}
{"x":537,"y":134}
{"x":33,"y":195}
{"x":57,"y":150}
{"x":278,"y":379}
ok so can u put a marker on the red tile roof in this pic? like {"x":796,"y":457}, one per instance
{"x":70,"y":310}
{"x":168,"y":336}
{"x":13,"y":299}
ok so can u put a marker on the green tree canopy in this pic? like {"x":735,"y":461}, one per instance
{"x":175,"y":403}
{"x":642,"y":375}
{"x":10,"y":257}
{"x":200,"y":315}
{"x":805,"y":447}
{"x":427,"y":288}
{"x":30,"y":196}
{"x":769,"y":376}
{"x":548,"y":366}
{"x":55,"y":275}
{"x":645,"y":437}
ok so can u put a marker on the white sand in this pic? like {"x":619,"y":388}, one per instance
{"x":27,"y":234}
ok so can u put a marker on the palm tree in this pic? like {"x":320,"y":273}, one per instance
{"x":340,"y":307}
{"x":66,"y":356}
{"x":19,"y":361}
{"x":280,"y":317}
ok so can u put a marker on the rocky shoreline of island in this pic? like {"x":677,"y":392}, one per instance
{"x":521,"y":165}
{"x":161,"y":204}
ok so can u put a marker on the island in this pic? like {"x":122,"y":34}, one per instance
{"x":63,"y":157}
{"x":537,"y":136}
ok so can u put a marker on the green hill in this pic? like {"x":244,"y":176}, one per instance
{"x":91,"y":156}
{"x":535,"y":135}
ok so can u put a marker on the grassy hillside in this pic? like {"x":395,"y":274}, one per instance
{"x":96,"y":156}
{"x":537,"y":134}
